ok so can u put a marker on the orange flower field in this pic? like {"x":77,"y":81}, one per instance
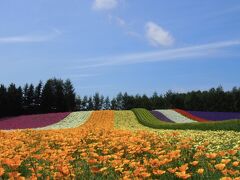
{"x":100,"y":149}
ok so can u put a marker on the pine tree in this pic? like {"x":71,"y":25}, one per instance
{"x":119,"y":102}
{"x":30,"y":96}
{"x":90,"y":104}
{"x":48,"y":97}
{"x":70,"y":95}
{"x":14,"y":100}
{"x":38,"y":94}
{"x":61,"y":101}
{"x":84,"y":104}
{"x":78,"y":103}
{"x":114,"y":105}
{"x":107,"y":104}
{"x":3,"y":101}
{"x":25,"y":98}
{"x":96,"y":101}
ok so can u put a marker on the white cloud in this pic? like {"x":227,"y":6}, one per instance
{"x":104,"y":4}
{"x":121,"y":22}
{"x":124,"y":25}
{"x":157,"y":36}
{"x":204,"y":50}
{"x":82,"y":75}
{"x":30,"y":38}
{"x":133,"y":34}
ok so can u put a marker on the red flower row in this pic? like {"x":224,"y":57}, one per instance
{"x":190,"y":116}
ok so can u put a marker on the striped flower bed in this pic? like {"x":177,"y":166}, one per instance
{"x":31,"y":121}
{"x":73,"y":120}
{"x":191,"y":116}
{"x":175,"y":116}
{"x":216,"y":116}
{"x":161,"y":117}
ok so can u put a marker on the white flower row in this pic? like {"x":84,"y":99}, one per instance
{"x":175,"y":116}
{"x":73,"y":120}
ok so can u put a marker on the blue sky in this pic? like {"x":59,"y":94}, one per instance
{"x":107,"y":46}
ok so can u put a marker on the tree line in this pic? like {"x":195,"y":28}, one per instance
{"x":215,"y":99}
{"x":57,"y":95}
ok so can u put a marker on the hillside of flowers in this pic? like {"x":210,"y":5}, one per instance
{"x":115,"y":145}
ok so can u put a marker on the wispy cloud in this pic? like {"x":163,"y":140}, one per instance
{"x":122,"y":23}
{"x":104,"y":4}
{"x":30,"y":38}
{"x":82,"y":75}
{"x":203,"y":50}
{"x":226,"y":11}
{"x":158,"y":36}
{"x":95,"y":87}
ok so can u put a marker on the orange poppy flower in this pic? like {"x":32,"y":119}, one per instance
{"x":183,"y":168}
{"x":226,"y":178}
{"x":225,"y":161}
{"x":145,"y":174}
{"x":172,"y":170}
{"x":220,"y":166}
{"x":183,"y":175}
{"x":1,"y":171}
{"x":232,"y":152}
{"x":158,"y":172}
{"x":211,"y":155}
{"x":235,"y":163}
{"x":194,"y":163}
{"x":200,"y":171}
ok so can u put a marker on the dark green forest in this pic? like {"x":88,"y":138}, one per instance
{"x":56,"y":95}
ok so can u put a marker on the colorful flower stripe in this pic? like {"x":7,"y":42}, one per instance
{"x":216,"y":116}
{"x":73,"y":120}
{"x":31,"y":121}
{"x":190,"y":116}
{"x":126,"y":120}
{"x":100,"y":120}
{"x":175,"y":117}
{"x":160,"y":116}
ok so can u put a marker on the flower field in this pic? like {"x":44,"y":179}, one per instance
{"x":216,"y":116}
{"x":161,"y":116}
{"x":148,"y":119}
{"x":191,"y":116}
{"x":117,"y":145}
{"x":32,"y":121}
{"x":73,"y":120}
{"x":175,"y":116}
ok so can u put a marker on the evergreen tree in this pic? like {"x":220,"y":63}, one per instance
{"x":14,"y":100}
{"x":47,"y":102}
{"x":78,"y":103}
{"x":114,"y":104}
{"x":3,"y":101}
{"x":119,"y":100}
{"x":38,"y":94}
{"x":61,"y":99}
{"x":96,"y":101}
{"x":90,"y":104}
{"x":84,"y":104}
{"x":25,"y":98}
{"x":107,"y":104}
{"x":30,"y":98}
{"x":101,"y":105}
{"x":69,"y":95}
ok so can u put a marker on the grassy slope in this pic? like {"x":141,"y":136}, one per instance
{"x":147,"y":119}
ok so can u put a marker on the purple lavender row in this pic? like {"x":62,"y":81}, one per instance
{"x":31,"y":121}
{"x":161,"y":117}
{"x":216,"y":116}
